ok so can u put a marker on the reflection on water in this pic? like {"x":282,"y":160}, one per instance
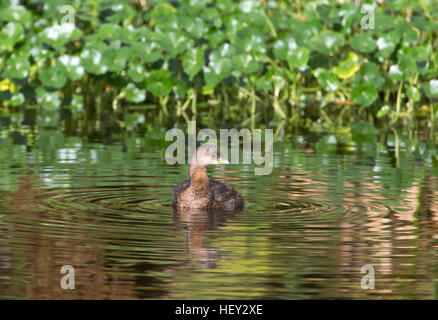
{"x":308,"y":228}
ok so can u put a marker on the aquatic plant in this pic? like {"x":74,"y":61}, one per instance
{"x":273,"y":63}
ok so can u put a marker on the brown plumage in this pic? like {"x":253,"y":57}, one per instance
{"x":202,"y":193}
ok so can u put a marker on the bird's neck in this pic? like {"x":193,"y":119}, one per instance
{"x":198,"y":179}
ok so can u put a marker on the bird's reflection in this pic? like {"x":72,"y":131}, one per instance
{"x":198,"y":222}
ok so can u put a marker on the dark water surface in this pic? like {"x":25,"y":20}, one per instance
{"x":105,"y":208}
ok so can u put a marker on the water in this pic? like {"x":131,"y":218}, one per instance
{"x":104,"y":207}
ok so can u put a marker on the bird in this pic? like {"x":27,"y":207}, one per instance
{"x":201,"y":193}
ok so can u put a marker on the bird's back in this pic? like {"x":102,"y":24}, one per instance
{"x":221,"y":195}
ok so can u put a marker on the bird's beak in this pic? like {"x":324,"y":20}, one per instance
{"x":222,"y":161}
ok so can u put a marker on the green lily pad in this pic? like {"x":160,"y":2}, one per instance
{"x":134,"y":94}
{"x":347,"y":68}
{"x":58,"y":35}
{"x":383,"y":22}
{"x":387,"y":43}
{"x":369,"y":73}
{"x":16,"y":99}
{"x":17,"y":66}
{"x":245,"y":63}
{"x":363,"y":43}
{"x":215,"y":38}
{"x":288,"y":50}
{"x":248,"y":6}
{"x":395,"y":73}
{"x":193,"y":61}
{"x":174,"y":42}
{"x":73,"y":67}
{"x":41,"y":54}
{"x":326,"y":79}
{"x":159,"y":82}
{"x":94,"y":60}
{"x":48,"y":100}
{"x":217,"y":70}
{"x":53,"y":77}
{"x":136,"y":72}
{"x":148,"y":51}
{"x":326,"y":41}
{"x":405,"y":31}
{"x":364,"y":94}
{"x":114,"y":11}
{"x":116,"y":59}
{"x":194,"y":26}
{"x":431,"y":88}
{"x":179,"y":89}
{"x":407,"y":64}
{"x":250,"y":41}
{"x":10,"y":34}
{"x":266,"y":81}
{"x":16,"y":13}
{"x":162,"y":10}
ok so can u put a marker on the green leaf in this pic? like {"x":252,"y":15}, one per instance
{"x":58,"y":35}
{"x":387,"y":43}
{"x":245,"y":63}
{"x":16,"y":13}
{"x":413,"y":93}
{"x":194,"y":26}
{"x":250,"y":41}
{"x":72,"y":64}
{"x":217,"y":70}
{"x":10,"y":34}
{"x":193,"y":61}
{"x":364,"y":94}
{"x":17,"y":99}
{"x":148,"y":51}
{"x":162,"y":10}
{"x":116,"y":59}
{"x":93,"y":58}
{"x":53,"y":77}
{"x":369,"y":73}
{"x":363,"y":43}
{"x":431,"y":88}
{"x":136,"y":72}
{"x":347,"y":68}
{"x":174,"y":42}
{"x":288,"y":50}
{"x":49,"y":100}
{"x":326,"y":79}
{"x":159,"y":82}
{"x":383,"y":111}
{"x":17,"y":66}
{"x":395,"y":73}
{"x":326,"y":41}
{"x":134,"y":94}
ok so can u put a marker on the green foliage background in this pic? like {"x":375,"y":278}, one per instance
{"x":275,"y":63}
